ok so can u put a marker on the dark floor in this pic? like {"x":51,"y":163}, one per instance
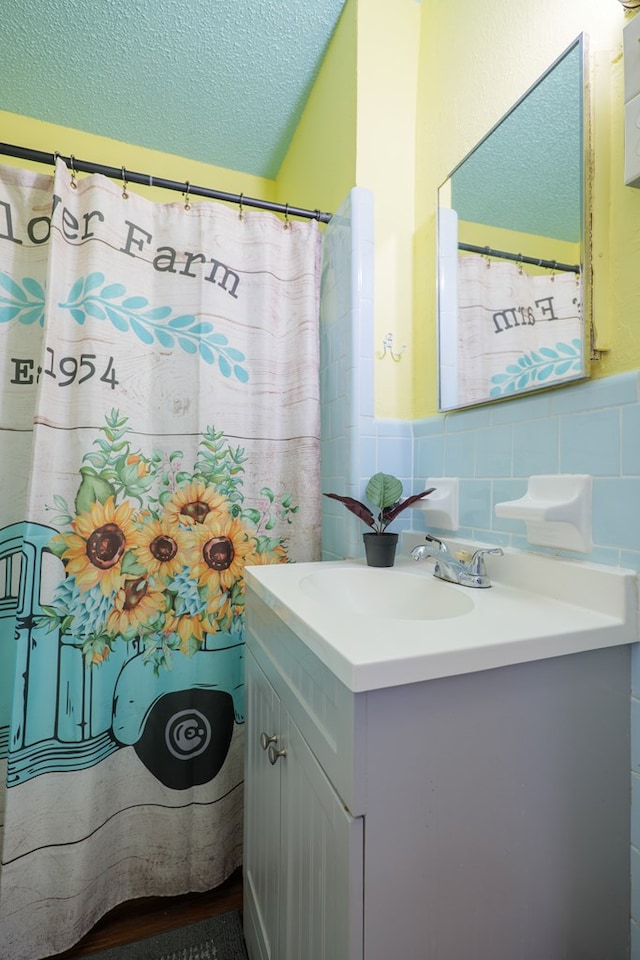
{"x":144,"y":918}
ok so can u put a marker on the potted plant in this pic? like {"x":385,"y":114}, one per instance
{"x":383,"y":492}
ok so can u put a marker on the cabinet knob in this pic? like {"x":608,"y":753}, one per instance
{"x":275,"y":755}
{"x":265,"y":740}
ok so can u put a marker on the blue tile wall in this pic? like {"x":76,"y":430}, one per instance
{"x":593,"y":428}
{"x":591,"y":437}
{"x":630,"y":440}
{"x":349,"y":446}
{"x":354,"y":444}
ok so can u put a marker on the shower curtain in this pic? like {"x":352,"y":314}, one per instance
{"x":515,"y":330}
{"x":159,"y":429}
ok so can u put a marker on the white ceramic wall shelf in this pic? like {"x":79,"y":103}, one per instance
{"x":556,"y":510}
{"x":440,"y":508}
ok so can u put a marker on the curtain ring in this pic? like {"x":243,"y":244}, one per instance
{"x":125,"y":195}
{"x":73,"y":184}
{"x":187,"y":187}
{"x":286,"y":216}
{"x":241,"y":212}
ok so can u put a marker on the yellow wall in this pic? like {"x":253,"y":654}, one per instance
{"x":27,"y":132}
{"x":388,"y":48}
{"x":319,"y":169}
{"x":476,"y":60}
{"x":358,"y":129}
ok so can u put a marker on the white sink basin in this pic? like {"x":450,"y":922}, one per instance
{"x":375,"y":592}
{"x":382,"y":627}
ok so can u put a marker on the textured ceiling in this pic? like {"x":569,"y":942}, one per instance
{"x":221,"y":81}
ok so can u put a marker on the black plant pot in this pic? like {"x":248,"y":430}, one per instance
{"x":380,"y":548}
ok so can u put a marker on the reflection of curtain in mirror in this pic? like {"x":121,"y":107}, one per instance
{"x":516,"y":331}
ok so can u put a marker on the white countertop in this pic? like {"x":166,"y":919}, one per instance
{"x":566,"y":607}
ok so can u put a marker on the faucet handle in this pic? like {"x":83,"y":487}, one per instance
{"x":441,"y":545}
{"x":476,"y":564}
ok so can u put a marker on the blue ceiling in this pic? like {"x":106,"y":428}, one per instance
{"x":220,"y":81}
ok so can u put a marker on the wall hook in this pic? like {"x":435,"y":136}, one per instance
{"x":387,"y":347}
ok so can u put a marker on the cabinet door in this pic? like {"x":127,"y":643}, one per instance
{"x":321,"y":899}
{"x":261,"y":867}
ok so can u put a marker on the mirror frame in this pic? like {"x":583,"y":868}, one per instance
{"x":585,"y":244}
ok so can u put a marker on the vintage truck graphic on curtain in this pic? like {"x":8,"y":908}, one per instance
{"x":180,"y":722}
{"x":126,"y":628}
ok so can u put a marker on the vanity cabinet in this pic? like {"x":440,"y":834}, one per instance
{"x":481,"y":815}
{"x":303,"y":850}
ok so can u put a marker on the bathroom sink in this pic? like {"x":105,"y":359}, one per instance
{"x":393,"y":595}
{"x":382,"y":627}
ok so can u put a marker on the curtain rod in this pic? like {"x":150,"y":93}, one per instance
{"x":115,"y":173}
{"x":520,"y":258}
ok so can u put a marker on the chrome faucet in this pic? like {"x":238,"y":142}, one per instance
{"x":468,"y":573}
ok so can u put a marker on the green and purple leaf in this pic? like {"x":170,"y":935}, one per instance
{"x":356,"y":507}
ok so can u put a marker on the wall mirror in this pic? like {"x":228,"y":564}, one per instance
{"x":513,"y":247}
